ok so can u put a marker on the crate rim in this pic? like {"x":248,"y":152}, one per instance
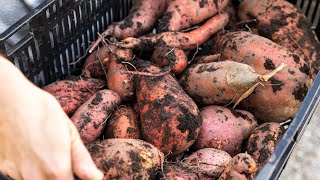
{"x":25,"y":19}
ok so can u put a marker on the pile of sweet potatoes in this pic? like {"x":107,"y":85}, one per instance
{"x":202,"y":98}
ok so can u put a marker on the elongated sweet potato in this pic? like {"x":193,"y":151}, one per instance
{"x":73,"y":91}
{"x":170,"y":56}
{"x":117,"y":79}
{"x":241,"y":167}
{"x":185,"y":41}
{"x":282,"y":95}
{"x":123,"y":123}
{"x":224,"y":129}
{"x":170,"y":119}
{"x":142,"y":17}
{"x":218,"y":82}
{"x":126,"y":158}
{"x":283,"y":23}
{"x":182,"y":14}
{"x":263,"y":141}
{"x":91,"y":117}
{"x":208,"y":161}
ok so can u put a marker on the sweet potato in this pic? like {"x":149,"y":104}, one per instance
{"x":182,"y":40}
{"x":170,"y":119}
{"x":224,"y":129}
{"x":206,"y":59}
{"x":126,"y":158}
{"x":96,"y":64}
{"x":117,"y":79}
{"x":176,"y":172}
{"x":182,"y":14}
{"x":123,"y":123}
{"x":208,"y":161}
{"x":218,"y":82}
{"x":283,"y":23}
{"x":170,"y":56}
{"x":282,"y":95}
{"x":73,"y":91}
{"x":263,"y":141}
{"x":241,"y":167}
{"x":91,"y":117}
{"x":142,"y":17}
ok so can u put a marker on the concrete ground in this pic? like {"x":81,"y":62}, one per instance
{"x":304,"y":163}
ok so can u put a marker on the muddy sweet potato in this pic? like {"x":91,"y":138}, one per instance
{"x":241,"y":167}
{"x":206,"y":59}
{"x":182,"y":40}
{"x":117,"y":79}
{"x":224,"y":129}
{"x":142,"y":17}
{"x":176,"y":172}
{"x":172,"y":57}
{"x":220,"y":83}
{"x":123,"y":123}
{"x":91,"y":117}
{"x":73,"y":91}
{"x":170,"y":119}
{"x":182,"y":14}
{"x":263,"y":141}
{"x":286,"y":25}
{"x":96,"y":64}
{"x":208,"y":161}
{"x":280,"y":98}
{"x":126,"y":158}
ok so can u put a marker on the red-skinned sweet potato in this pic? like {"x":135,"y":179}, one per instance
{"x":263,"y":141}
{"x":117,"y":79}
{"x":224,"y":129}
{"x":126,"y":158}
{"x":208,"y":161}
{"x":282,"y":95}
{"x":91,"y":117}
{"x":170,"y":119}
{"x":182,"y":14}
{"x":182,"y":40}
{"x":73,"y":92}
{"x":218,"y":83}
{"x":176,"y":172}
{"x":241,"y":167}
{"x":142,"y":17}
{"x":170,"y":56}
{"x":123,"y":123}
{"x":282,"y":22}
{"x":96,"y":64}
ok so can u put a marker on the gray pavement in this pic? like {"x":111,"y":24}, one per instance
{"x":304,"y":163}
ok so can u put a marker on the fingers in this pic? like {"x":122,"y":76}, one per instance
{"x":82,"y":163}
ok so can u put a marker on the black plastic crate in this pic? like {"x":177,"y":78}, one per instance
{"x":60,"y":32}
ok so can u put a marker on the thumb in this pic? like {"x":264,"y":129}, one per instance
{"x":82,"y":163}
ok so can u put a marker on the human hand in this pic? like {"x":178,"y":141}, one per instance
{"x":37,"y":139}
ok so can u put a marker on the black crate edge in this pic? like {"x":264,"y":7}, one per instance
{"x":292,"y":136}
